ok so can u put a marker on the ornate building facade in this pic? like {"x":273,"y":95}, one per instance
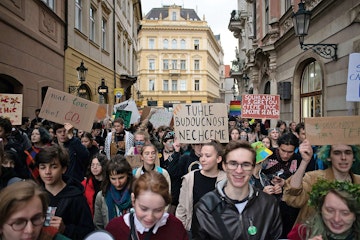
{"x":180,"y":59}
{"x":271,"y":61}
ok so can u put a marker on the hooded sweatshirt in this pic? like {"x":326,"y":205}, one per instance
{"x":72,"y":207}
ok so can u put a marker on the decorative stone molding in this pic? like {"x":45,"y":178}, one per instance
{"x":47,"y":25}
{"x":15,"y":6}
{"x":120,"y":28}
{"x":105,"y":8}
{"x":355,"y":14}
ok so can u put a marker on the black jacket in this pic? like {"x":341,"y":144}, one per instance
{"x":79,"y":159}
{"x":261,"y":211}
{"x":73,"y":209}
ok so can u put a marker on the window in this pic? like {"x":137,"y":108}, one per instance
{"x":174,"y":85}
{"x":151,"y":85}
{"x":173,"y":16}
{"x":174,"y":44}
{"x":197,"y":85}
{"x":119,"y":48}
{"x":311,"y":91}
{"x":183,"y":64}
{"x":49,"y":3}
{"x":151,"y":64}
{"x":267,"y":16}
{"x":78,"y":14}
{"x":183,"y":85}
{"x":166,"y":44}
{"x":92,"y":24}
{"x":196,"y":44}
{"x":103,"y":33}
{"x":197,"y":64}
{"x":182,"y":44}
{"x":173,"y":64}
{"x":287,"y":4}
{"x":151,"y":43}
{"x":123,"y":56}
{"x":166,"y":85}
{"x":166,"y":64}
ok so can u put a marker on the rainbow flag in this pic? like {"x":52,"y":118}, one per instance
{"x":262,"y":152}
{"x":235,"y":108}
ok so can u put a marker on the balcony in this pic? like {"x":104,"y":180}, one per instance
{"x":237,"y":22}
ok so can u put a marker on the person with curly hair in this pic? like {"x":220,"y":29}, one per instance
{"x":337,"y":212}
{"x":339,"y":158}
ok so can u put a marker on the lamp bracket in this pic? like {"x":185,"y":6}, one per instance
{"x":327,"y":51}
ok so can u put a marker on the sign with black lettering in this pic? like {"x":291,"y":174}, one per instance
{"x":333,"y":130}
{"x":260,"y":106}
{"x":200,"y":123}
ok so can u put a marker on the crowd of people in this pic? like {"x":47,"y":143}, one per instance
{"x":58,"y":182}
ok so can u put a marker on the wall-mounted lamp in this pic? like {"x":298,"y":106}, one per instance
{"x":246,"y":81}
{"x":234,"y":91}
{"x":139,"y":96}
{"x":301,"y":21}
{"x":82,"y":70}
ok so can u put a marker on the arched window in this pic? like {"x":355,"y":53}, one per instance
{"x":174,"y":44}
{"x":183,"y":44}
{"x":311,"y":91}
{"x":166,"y":44}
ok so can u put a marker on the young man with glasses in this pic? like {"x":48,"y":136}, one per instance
{"x":235,"y":209}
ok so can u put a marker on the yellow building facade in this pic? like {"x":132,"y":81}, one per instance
{"x":179,"y":59}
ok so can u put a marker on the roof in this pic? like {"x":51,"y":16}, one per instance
{"x":164,"y":11}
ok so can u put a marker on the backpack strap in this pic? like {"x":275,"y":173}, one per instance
{"x":133,"y":235}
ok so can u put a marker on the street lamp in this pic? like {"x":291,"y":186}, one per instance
{"x":246,"y":81}
{"x":139,"y":96}
{"x":82,"y":70}
{"x":301,"y":22}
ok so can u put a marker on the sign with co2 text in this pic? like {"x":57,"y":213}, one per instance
{"x":61,"y":107}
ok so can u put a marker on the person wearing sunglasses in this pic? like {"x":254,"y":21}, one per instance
{"x":141,"y":138}
{"x":235,"y":209}
{"x":23,"y":207}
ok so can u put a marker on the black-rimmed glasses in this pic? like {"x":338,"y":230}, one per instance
{"x":233,"y":165}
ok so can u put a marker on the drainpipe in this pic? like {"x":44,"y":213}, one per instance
{"x":114,"y":43}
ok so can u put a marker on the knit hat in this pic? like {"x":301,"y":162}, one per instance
{"x":232,"y":118}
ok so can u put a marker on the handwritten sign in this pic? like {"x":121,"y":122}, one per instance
{"x":125,"y":115}
{"x":353,"y":81}
{"x":200,"y":123}
{"x":61,"y":107}
{"x":134,"y":161}
{"x":161,"y":117}
{"x":129,"y":105}
{"x":260,"y":106}
{"x":11,"y":107}
{"x":333,"y":130}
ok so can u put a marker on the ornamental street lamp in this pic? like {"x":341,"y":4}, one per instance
{"x":82,"y":71}
{"x":301,"y":22}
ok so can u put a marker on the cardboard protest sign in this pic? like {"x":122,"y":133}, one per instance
{"x":125,"y":115}
{"x":61,"y":107}
{"x":161,"y":117}
{"x":260,"y":106}
{"x":134,"y":161}
{"x":129,"y":105}
{"x":333,"y":130}
{"x":145,"y":112}
{"x":353,"y":80}
{"x":200,"y":123}
{"x":104,"y":111}
{"x":11,"y":107}
{"x":235,"y":108}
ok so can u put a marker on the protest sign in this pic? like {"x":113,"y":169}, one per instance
{"x":260,"y":106}
{"x":61,"y":107}
{"x":353,"y":80}
{"x":125,"y":115}
{"x":161,"y":117}
{"x":134,"y":161}
{"x":11,"y":107}
{"x":200,"y":123}
{"x":104,"y":111}
{"x":333,"y":130}
{"x":129,"y":105}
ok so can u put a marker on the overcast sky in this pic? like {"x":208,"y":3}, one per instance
{"x":217,"y":15}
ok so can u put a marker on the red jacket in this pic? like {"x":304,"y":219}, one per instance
{"x":89,"y":192}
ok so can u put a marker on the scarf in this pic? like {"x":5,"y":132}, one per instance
{"x":117,"y":201}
